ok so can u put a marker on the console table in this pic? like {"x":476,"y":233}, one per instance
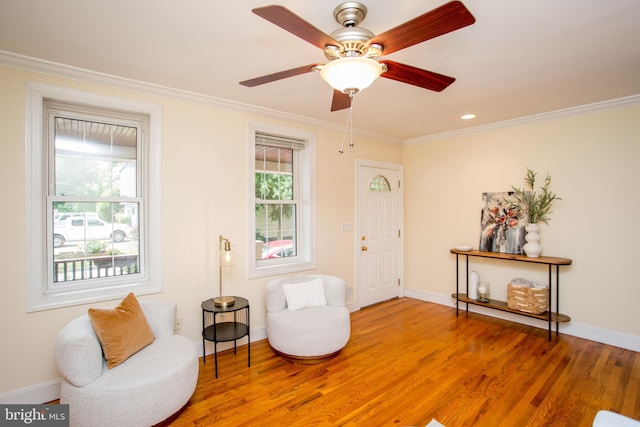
{"x":550,"y":262}
{"x":225,"y":331}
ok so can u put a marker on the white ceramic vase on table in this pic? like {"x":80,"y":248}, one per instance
{"x":532,"y":248}
{"x":474,"y":278}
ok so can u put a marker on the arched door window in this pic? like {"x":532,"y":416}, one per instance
{"x":379,"y":183}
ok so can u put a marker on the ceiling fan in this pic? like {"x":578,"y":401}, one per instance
{"x":351,"y":49}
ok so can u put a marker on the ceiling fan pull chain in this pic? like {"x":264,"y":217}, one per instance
{"x":344,"y":136}
{"x":351,"y":144}
{"x":348,"y":128}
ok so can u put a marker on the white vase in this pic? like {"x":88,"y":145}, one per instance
{"x":532,"y":248}
{"x":474,"y":278}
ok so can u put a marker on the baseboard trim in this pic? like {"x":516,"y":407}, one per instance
{"x":47,"y":391}
{"x":35,"y":394}
{"x":50,"y":390}
{"x":604,"y":336}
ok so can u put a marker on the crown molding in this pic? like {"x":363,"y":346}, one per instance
{"x":42,"y":66}
{"x":627,"y":101}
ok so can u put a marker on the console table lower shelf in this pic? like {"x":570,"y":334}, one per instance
{"x":502,"y":306}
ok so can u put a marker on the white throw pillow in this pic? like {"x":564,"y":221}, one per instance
{"x":303,"y":295}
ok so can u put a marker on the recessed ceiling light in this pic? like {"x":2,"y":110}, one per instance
{"x":468,"y":116}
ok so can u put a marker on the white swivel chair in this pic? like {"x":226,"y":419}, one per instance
{"x":144,"y":390}
{"x":310,"y":334}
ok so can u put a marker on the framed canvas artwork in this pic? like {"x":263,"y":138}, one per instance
{"x":501,"y":226}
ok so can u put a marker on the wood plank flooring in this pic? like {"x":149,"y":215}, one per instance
{"x":409,"y":361}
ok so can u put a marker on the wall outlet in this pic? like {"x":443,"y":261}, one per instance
{"x":178,"y":323}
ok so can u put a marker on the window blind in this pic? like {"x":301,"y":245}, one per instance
{"x":279,"y":141}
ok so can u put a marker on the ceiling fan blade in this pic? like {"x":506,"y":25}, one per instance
{"x":340,"y":101}
{"x":416,"y":76}
{"x":278,"y":76}
{"x":289,"y":21}
{"x":444,"y":19}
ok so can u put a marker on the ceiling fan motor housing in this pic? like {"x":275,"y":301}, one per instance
{"x":354,"y":40}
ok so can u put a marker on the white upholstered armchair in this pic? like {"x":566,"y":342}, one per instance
{"x":307,"y":320}
{"x":143,"y":390}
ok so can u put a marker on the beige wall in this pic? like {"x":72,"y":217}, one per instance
{"x":593,"y":159}
{"x":204,"y":190}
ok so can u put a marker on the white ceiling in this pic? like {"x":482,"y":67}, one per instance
{"x":520,"y":58}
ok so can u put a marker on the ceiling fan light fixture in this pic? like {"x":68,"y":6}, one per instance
{"x":351,"y":74}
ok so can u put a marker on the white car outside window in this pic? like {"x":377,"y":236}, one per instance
{"x":74,"y":229}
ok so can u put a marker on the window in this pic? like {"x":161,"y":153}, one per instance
{"x":282,"y":201}
{"x":379,"y":183}
{"x":93,"y":195}
{"x":92,"y":181}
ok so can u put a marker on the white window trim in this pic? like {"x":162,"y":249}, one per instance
{"x":149,"y":281}
{"x":306,"y":258}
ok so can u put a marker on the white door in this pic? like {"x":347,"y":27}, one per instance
{"x":379,"y":249}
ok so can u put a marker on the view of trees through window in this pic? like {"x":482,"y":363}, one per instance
{"x":276,"y":205}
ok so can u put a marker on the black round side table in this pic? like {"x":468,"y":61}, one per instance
{"x":225,"y":331}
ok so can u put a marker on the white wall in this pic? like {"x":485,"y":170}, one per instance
{"x":204,"y":194}
{"x":593,"y":158}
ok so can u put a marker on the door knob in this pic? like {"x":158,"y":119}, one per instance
{"x":364,"y":248}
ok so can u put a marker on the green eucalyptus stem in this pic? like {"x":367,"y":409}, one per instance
{"x":535,"y":204}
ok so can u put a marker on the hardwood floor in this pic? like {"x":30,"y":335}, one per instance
{"x":409,"y":361}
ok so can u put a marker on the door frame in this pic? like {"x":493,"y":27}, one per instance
{"x":399,"y":169}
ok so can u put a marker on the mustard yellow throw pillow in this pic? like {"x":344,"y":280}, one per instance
{"x":122,"y":331}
